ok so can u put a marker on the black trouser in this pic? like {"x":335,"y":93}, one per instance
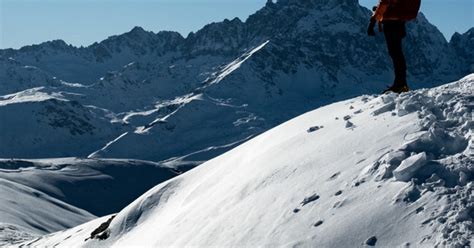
{"x":394,"y":32}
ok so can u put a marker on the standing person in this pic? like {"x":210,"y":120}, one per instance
{"x":392,"y":15}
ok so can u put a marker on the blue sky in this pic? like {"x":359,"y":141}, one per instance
{"x":82,"y":22}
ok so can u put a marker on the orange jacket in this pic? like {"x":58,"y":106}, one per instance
{"x":385,"y":12}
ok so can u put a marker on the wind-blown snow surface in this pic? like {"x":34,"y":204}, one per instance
{"x":323,"y":179}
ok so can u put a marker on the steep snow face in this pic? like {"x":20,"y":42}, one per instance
{"x":47,"y":195}
{"x":374,"y":170}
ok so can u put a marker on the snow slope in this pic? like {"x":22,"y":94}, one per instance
{"x":47,"y":195}
{"x":374,"y":170}
{"x":26,"y":212}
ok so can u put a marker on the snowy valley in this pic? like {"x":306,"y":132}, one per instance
{"x":85,"y":131}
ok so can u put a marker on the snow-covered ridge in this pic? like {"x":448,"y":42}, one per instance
{"x":403,"y":163}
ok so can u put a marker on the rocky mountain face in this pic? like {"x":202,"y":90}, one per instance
{"x":160,"y":96}
{"x":462,"y":45}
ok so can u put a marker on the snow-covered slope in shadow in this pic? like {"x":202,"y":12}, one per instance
{"x":377,"y":170}
{"x":47,"y":195}
{"x":39,"y":122}
{"x":100,"y":186}
{"x":27,"y":212}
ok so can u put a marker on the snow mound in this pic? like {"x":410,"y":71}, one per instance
{"x":330,"y":187}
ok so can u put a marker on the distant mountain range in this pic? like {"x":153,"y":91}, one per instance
{"x":163,"y":97}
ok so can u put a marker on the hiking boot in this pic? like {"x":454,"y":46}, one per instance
{"x":397,"y":89}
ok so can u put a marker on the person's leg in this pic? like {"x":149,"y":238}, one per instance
{"x":394,"y":33}
{"x":399,"y":64}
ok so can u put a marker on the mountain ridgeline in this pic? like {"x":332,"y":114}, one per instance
{"x":163,"y":97}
